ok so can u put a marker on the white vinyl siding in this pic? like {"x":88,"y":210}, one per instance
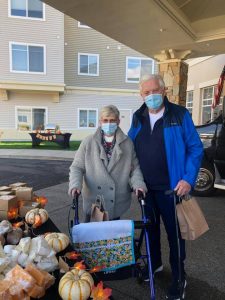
{"x":87,"y":118}
{"x":26,"y":9}
{"x":137,"y":67}
{"x":27,"y":58}
{"x":88,"y":64}
{"x":30,"y":118}
{"x":112,"y":58}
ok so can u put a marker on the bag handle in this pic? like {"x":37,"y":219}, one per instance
{"x":180,"y":198}
{"x":185,"y":198}
{"x":100,"y":202}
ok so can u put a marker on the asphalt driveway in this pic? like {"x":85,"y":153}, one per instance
{"x":205,"y":263}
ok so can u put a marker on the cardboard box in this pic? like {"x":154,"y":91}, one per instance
{"x":3,"y":215}
{"x":26,"y":206}
{"x":3,"y":193}
{"x":24,"y":193}
{"x":17,"y":184}
{"x":5,"y":188}
{"x":8,"y":215}
{"x":7,"y":202}
{"x":13,"y":190}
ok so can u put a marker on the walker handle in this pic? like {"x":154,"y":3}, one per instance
{"x":140,"y":195}
{"x":75,"y":199}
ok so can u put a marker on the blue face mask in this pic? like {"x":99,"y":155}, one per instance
{"x":109,"y":128}
{"x":154,"y":101}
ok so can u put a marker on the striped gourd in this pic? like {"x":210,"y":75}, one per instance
{"x":36,"y":216}
{"x":76,"y":285}
{"x":58,"y":241}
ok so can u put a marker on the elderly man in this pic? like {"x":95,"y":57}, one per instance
{"x":169,"y":152}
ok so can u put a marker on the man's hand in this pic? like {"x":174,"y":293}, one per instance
{"x":141,"y":190}
{"x":74,"y":192}
{"x":182,"y":188}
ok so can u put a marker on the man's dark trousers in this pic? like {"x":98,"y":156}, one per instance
{"x":158,"y":203}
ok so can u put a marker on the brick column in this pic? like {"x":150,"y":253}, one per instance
{"x":175,"y":74}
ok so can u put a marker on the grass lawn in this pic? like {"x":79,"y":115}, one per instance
{"x":45,"y":146}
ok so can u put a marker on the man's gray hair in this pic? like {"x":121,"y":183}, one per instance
{"x":109,"y":110}
{"x":152,"y":77}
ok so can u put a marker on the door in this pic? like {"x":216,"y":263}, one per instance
{"x":125,"y":119}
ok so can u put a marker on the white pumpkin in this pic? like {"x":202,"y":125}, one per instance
{"x":76,"y":285}
{"x":36,"y":216}
{"x":58,"y":241}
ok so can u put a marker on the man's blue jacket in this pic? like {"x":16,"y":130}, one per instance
{"x":184,"y":149}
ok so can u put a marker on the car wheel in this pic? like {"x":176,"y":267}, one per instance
{"x":205,"y":181}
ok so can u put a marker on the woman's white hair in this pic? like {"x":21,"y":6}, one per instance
{"x":152,"y":77}
{"x":109,"y":110}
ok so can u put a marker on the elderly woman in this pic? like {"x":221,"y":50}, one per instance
{"x":106,"y":164}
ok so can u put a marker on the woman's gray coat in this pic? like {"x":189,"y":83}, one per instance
{"x":91,"y":173}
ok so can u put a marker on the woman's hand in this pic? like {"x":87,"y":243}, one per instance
{"x":74,"y":192}
{"x":141,"y":190}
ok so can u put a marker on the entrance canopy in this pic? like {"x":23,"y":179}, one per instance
{"x":162,"y":29}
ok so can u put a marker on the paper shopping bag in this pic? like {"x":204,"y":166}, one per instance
{"x":191,"y":220}
{"x":98,"y":213}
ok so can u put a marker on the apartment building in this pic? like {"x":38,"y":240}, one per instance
{"x":57,"y":70}
{"x":203,"y":76}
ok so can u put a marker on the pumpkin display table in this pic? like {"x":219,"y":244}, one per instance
{"x":62,"y":139}
{"x":52,"y":292}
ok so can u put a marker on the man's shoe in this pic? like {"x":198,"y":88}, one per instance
{"x":157,"y":270}
{"x":177,"y":291}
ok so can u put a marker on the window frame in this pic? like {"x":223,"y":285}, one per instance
{"x":26,"y":18}
{"x":27,"y":44}
{"x":82,"y":26}
{"x":78,"y":118}
{"x":29,"y":107}
{"x":208,"y":105}
{"x":188,"y":108}
{"x":140,"y":58}
{"x":88,"y":54}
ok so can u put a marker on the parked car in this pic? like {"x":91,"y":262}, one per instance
{"x":212,"y":171}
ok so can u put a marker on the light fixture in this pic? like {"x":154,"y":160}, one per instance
{"x":119,"y":47}
{"x":162,"y":29}
{"x":107,"y":47}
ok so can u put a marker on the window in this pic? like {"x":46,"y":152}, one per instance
{"x":22,"y":119}
{"x":82,"y":25}
{"x":136,"y":67}
{"x":88,"y":64}
{"x":209,"y":114}
{"x":87,"y":118}
{"x":27,"y":58}
{"x":33,"y":9}
{"x":29,"y":118}
{"x":189,"y":101}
